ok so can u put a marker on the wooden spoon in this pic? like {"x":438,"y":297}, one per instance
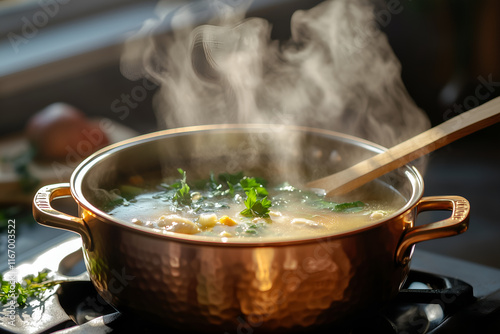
{"x":460,"y":126}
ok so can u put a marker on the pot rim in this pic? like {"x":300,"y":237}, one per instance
{"x":80,"y":171}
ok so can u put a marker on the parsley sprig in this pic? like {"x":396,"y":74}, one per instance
{"x":225,"y":184}
{"x":182,"y":195}
{"x":30,"y":287}
{"x":256,"y":206}
{"x":256,"y":201}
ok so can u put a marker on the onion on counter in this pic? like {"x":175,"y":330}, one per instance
{"x":60,"y":129}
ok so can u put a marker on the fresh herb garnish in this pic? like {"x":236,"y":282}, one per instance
{"x":30,"y":287}
{"x":230,"y":189}
{"x":230,"y":184}
{"x":349,"y":206}
{"x":321,"y":203}
{"x":212,"y":183}
{"x":182,"y":195}
{"x":249,"y":183}
{"x":255,"y":206}
{"x":231,"y":178}
{"x":222,"y":185}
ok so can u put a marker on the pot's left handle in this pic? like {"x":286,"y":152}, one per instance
{"x":457,"y":223}
{"x":46,"y":215}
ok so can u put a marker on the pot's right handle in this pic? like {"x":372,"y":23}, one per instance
{"x":46,"y":215}
{"x":456,"y":224}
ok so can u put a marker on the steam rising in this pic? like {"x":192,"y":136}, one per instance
{"x":337,"y":71}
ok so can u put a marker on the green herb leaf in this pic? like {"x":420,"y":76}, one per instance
{"x":231,"y":178}
{"x":321,"y":203}
{"x":182,"y":195}
{"x":31,"y":287}
{"x":249,"y":203}
{"x":261,"y":207}
{"x":213,"y":184}
{"x":349,"y":206}
{"x":231,"y":188}
{"x":248,"y":183}
{"x":254,"y":206}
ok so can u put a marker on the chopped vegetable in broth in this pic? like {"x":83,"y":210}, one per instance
{"x":241,"y":206}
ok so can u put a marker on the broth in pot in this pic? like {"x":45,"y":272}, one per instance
{"x":243,"y":207}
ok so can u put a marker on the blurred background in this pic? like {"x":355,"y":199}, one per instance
{"x":69,"y":51}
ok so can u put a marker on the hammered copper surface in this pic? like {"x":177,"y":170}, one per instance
{"x":201,"y":286}
{"x":212,"y":288}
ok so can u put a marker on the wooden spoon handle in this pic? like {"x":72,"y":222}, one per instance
{"x":411,"y":149}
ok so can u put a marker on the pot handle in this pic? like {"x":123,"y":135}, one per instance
{"x":456,"y":224}
{"x":46,"y":215}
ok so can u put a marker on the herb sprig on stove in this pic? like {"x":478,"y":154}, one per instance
{"x":31,"y":287}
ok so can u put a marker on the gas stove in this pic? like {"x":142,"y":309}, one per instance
{"x":441,"y":295}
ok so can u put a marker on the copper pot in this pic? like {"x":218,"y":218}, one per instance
{"x":204,"y":285}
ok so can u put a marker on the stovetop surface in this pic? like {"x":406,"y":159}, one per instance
{"x":464,"y":298}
